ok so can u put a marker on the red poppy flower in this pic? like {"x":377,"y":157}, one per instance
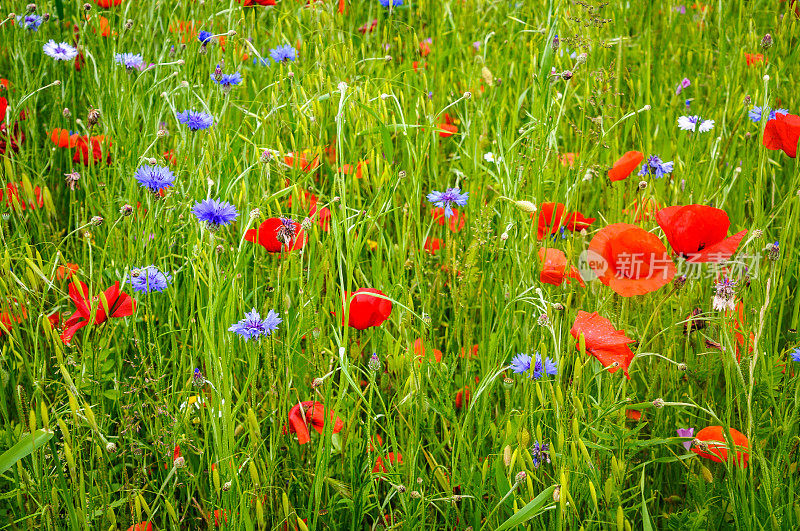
{"x":455,"y":222}
{"x":549,"y":219}
{"x":321,"y":216}
{"x":716,"y":448}
{"x":12,"y":192}
{"x":390,"y":459}
{"x":462,"y":398}
{"x":368,"y":27}
{"x":555,"y":269}
{"x":754,"y":58}
{"x":425,"y":48}
{"x":9,"y":319}
{"x":473,"y":352}
{"x":176,"y":453}
{"x":432,"y":245}
{"x":4,"y":83}
{"x":698,"y":232}
{"x":367,"y":310}
{"x":736,"y":324}
{"x":141,"y":526}
{"x":62,"y":138}
{"x":82,"y":150}
{"x":105,"y":27}
{"x":568,"y":159}
{"x":251,"y":3}
{"x":419,"y":350}
{"x":305,"y":160}
{"x":111,"y":303}
{"x":575,"y":221}
{"x":107,"y":3}
{"x":603,"y":341}
{"x":347,"y":169}
{"x":15,"y":137}
{"x":416,"y":65}
{"x":221,"y":516}
{"x":633,"y":414}
{"x":276,"y":235}
{"x":782,"y":132}
{"x":305,"y":413}
{"x":630,"y":260}
{"x":625,"y":165}
{"x":447,"y":127}
{"x":66,"y":270}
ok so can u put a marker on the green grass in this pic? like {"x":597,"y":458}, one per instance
{"x":120,"y":385}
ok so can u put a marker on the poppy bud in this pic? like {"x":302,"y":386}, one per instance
{"x":467,"y":95}
{"x":129,"y":24}
{"x":31,"y":8}
{"x":504,"y":236}
{"x":87,"y":6}
{"x":226,"y":486}
{"x":401,"y":488}
{"x":642,"y":185}
{"x":682,"y":367}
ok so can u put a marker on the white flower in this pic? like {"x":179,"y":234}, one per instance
{"x":489,"y":157}
{"x":695,"y":123}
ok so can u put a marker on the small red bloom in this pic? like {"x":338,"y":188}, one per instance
{"x":419,"y":350}
{"x":716,"y":448}
{"x":305,"y":413}
{"x":633,"y":414}
{"x":368,"y":27}
{"x":111,"y":303}
{"x":555,"y":269}
{"x":107,"y":3}
{"x":568,"y":159}
{"x":699,"y":233}
{"x":305,"y":160}
{"x":12,"y":192}
{"x":367,"y":310}
{"x":432,"y":245}
{"x":141,"y":526}
{"x":62,"y":138}
{"x":603,"y":341}
{"x":447,"y":127}
{"x":252,"y":3}
{"x":549,"y":219}
{"x":456,"y":221}
{"x":576,"y":222}
{"x":390,"y":459}
{"x":754,"y":58}
{"x":462,"y":398}
{"x":783,"y":132}
{"x":82,"y":146}
{"x":625,"y":165}
{"x":66,"y":270}
{"x":276,"y":235}
{"x":630,"y":260}
{"x":221,"y":516}
{"x":9,"y":319}
{"x":473,"y":352}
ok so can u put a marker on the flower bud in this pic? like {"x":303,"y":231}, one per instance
{"x":766,"y":42}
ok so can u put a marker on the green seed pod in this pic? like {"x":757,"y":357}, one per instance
{"x":301,"y":525}
{"x":54,"y":503}
{"x":593,"y":493}
{"x":64,"y":431}
{"x":73,"y":406}
{"x":32,"y":420}
{"x":171,"y":511}
{"x":285,"y":503}
{"x":579,"y":407}
{"x":262,"y":523}
{"x":585,"y":452}
{"x":112,"y":517}
{"x":620,"y":518}
{"x":253,"y":473}
{"x":575,"y":431}
{"x":87,"y":411}
{"x":45,"y":413}
{"x":252,"y":421}
{"x":70,"y":460}
{"x":215,"y":478}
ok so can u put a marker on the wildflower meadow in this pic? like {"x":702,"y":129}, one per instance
{"x":399,"y":264}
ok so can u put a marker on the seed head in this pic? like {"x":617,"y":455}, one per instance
{"x":658,"y":403}
{"x":93,"y":117}
{"x":111,"y":448}
{"x":96,"y":220}
{"x":126,"y":210}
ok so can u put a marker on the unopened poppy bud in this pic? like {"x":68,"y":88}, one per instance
{"x":96,"y":220}
{"x":111,"y":448}
{"x":646,"y":107}
{"x":179,"y":462}
{"x":400,"y":488}
{"x":766,"y":42}
{"x":126,"y":210}
{"x":31,"y":8}
{"x":226,"y":486}
{"x":526,"y":206}
{"x":566,"y":75}
{"x":747,"y":100}
{"x":467,"y":95}
{"x":642,"y":185}
{"x":401,"y":174}
{"x":87,"y":6}
{"x":335,"y":199}
{"x":658,"y":403}
{"x":152,"y":161}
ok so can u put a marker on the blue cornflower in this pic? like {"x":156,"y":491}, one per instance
{"x":60,"y":51}
{"x":204,"y":36}
{"x":195,"y":120}
{"x":227,"y":81}
{"x":391,"y":3}
{"x":253,"y":326}
{"x":448,"y":198}
{"x":655,"y":166}
{"x":149,"y":279}
{"x":215,"y":213}
{"x":520,"y":363}
{"x":755,"y":113}
{"x":129,"y":60}
{"x":30,"y":22}
{"x":543,"y":367}
{"x":283,"y":53}
{"x":795,"y":354}
{"x":540,"y":454}
{"x":156,"y":178}
{"x":264,"y":61}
